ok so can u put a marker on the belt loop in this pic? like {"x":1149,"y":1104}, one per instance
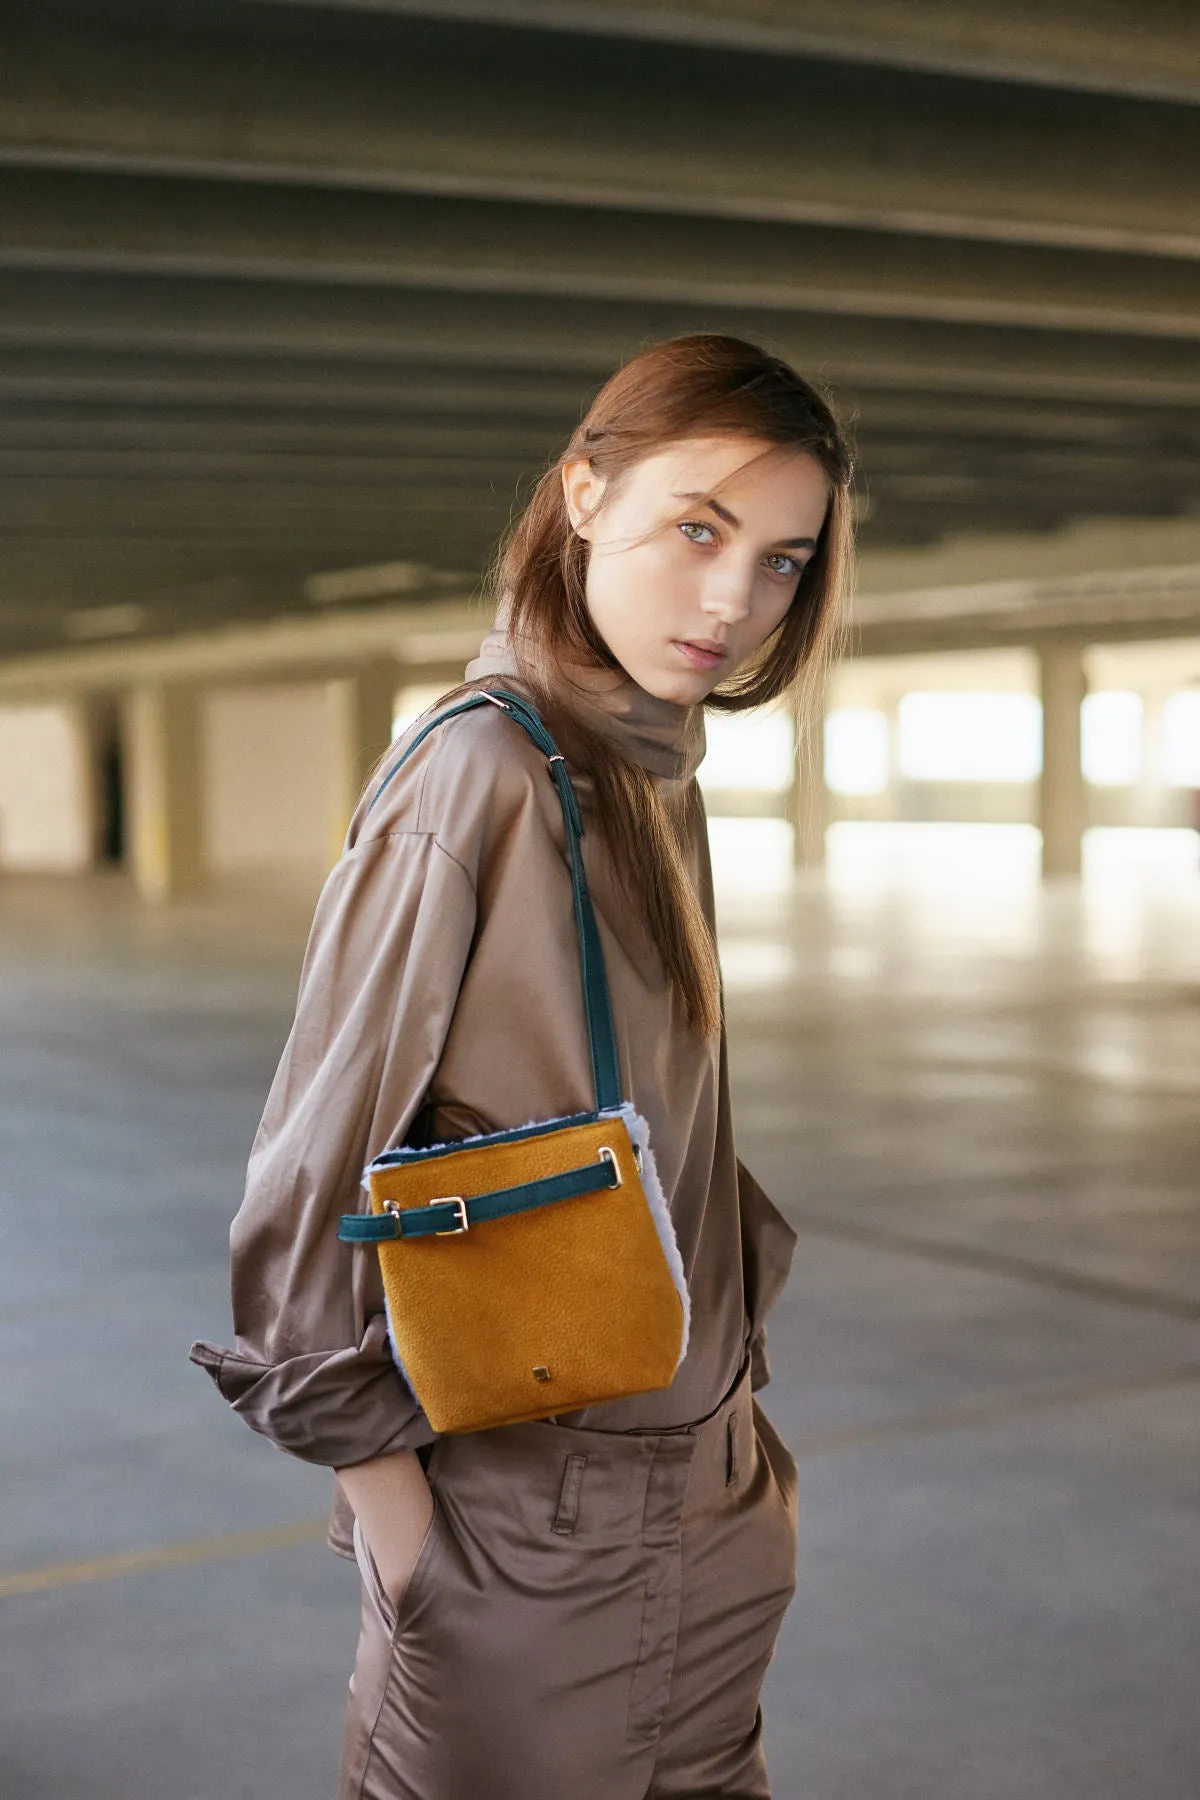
{"x":731,"y":1451}
{"x":568,"y":1499}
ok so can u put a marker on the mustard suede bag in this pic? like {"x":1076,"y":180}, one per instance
{"x":532,"y":1271}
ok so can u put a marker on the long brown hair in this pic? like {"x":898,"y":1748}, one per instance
{"x":699,"y":386}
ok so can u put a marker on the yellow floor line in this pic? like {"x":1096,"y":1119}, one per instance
{"x":279,"y":1537}
{"x":165,"y":1556}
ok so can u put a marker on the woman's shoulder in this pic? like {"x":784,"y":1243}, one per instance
{"x":456,"y":776}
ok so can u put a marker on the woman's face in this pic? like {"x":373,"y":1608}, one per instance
{"x":695,"y":556}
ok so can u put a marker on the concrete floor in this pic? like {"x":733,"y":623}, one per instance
{"x":977,"y":1102}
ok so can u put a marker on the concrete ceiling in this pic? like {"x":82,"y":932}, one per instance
{"x":288,"y":288}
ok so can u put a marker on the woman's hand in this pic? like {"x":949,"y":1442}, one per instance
{"x":393,"y":1504}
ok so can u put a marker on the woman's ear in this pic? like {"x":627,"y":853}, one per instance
{"x":583,"y":491}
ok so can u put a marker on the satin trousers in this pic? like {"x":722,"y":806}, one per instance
{"x":590,"y":1618}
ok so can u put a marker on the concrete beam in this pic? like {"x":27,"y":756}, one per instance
{"x":1146,"y":623}
{"x":226,"y":501}
{"x":87,"y":383}
{"x":207,"y":432}
{"x":431,"y":633}
{"x":48,"y":408}
{"x":1109,"y":579}
{"x":184,"y":375}
{"x":408,"y":330}
{"x":1119,"y":49}
{"x":915,"y":442}
{"x":45,"y":405}
{"x":1035,"y":602}
{"x":196,"y":482}
{"x":406,"y":111}
{"x":291,"y":470}
{"x":177,"y":571}
{"x":84,"y":223}
{"x":32,"y":507}
{"x":1089,"y":547}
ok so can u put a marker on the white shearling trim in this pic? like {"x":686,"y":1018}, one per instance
{"x":639,"y":1133}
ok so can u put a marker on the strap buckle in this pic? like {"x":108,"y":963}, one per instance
{"x":604,"y":1154}
{"x":461,"y":1223}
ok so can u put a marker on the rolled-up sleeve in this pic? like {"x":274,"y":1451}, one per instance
{"x":310,"y":1366}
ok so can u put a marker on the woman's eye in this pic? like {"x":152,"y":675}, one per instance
{"x":779,"y":564}
{"x":695,"y":529}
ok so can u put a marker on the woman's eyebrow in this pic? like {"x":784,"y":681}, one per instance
{"x":723,"y":512}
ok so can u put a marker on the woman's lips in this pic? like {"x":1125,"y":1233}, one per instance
{"x":701,"y":655}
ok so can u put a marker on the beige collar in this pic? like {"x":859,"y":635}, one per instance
{"x":666,"y":739}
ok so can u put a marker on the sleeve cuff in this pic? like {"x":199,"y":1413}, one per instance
{"x":334,"y":1408}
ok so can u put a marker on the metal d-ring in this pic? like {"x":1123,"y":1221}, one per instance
{"x":610,"y":1157}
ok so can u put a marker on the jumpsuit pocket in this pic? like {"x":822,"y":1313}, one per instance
{"x":783,"y":1464}
{"x":785,"y":1480}
{"x":392,"y":1614}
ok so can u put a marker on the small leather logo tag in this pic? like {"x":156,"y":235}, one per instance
{"x":541,"y":1373}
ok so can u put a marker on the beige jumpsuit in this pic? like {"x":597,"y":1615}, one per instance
{"x":598,"y":1596}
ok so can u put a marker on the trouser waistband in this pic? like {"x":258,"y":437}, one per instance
{"x":684,"y":1468}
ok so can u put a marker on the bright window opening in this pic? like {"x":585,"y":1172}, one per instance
{"x":1111,"y":726}
{"x":1181,"y":739}
{"x":753,"y":751}
{"x":970,"y":737}
{"x":412,"y":701}
{"x":856,"y":751}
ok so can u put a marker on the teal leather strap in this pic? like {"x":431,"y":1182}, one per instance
{"x":606,"y":1072}
{"x":453,"y":1215}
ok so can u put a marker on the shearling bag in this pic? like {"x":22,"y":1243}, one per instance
{"x":532,"y":1271}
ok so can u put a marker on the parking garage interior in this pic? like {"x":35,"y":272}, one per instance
{"x":296,"y":301}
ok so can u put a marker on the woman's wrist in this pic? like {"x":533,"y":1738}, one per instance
{"x":393,"y":1504}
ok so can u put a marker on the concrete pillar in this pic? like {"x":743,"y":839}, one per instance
{"x":164,"y":801}
{"x":1149,"y":793}
{"x":98,"y":725}
{"x":1062,"y":795}
{"x":807,"y":797}
{"x":890,"y":806}
{"x":361,"y":709}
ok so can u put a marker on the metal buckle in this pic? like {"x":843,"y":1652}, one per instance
{"x":610,"y":1157}
{"x":463,"y":1223}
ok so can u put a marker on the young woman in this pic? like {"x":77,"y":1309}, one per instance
{"x":581,"y":1608}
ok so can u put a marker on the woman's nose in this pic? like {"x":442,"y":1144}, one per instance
{"x":727,"y":596}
